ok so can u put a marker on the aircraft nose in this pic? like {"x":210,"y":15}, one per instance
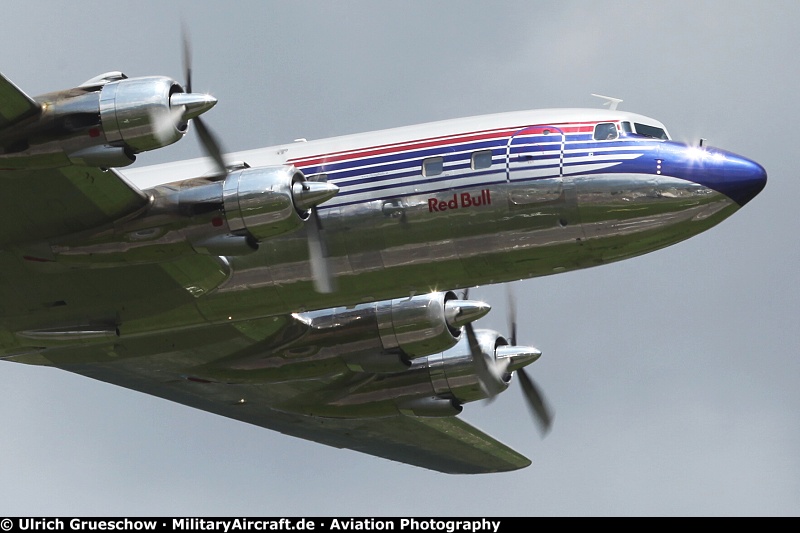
{"x":735,"y":176}
{"x":744,"y":179}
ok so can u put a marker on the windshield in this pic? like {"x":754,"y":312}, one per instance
{"x":651,"y":131}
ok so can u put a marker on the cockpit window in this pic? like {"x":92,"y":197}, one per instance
{"x":626,"y":127}
{"x":605,"y":131}
{"x":651,"y":131}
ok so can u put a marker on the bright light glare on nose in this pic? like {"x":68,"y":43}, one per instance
{"x":697,"y":153}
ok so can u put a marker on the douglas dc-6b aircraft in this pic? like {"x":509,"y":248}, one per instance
{"x":318,"y":288}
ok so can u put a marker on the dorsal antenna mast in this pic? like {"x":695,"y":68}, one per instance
{"x":611,"y":102}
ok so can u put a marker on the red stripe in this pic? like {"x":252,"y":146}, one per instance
{"x":573,"y":127}
{"x":409,"y":145}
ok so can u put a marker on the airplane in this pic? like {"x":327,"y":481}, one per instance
{"x":320,"y":288}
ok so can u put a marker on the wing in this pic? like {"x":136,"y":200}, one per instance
{"x":57,"y":151}
{"x":38,"y":204}
{"x":16,"y":105}
{"x":51,"y":200}
{"x":446,"y":444}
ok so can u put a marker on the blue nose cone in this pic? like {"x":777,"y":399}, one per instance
{"x":743,"y":179}
{"x":737,"y":177}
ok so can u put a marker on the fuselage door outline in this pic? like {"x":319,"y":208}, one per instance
{"x":535,"y":151}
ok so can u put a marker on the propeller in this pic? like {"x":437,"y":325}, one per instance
{"x":487,"y":368}
{"x":307,"y":195}
{"x":209,"y":142}
{"x":542,"y":413}
{"x":318,"y":255}
{"x":491,"y":370}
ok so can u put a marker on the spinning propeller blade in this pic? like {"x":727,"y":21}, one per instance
{"x":318,"y":255}
{"x":209,"y":142}
{"x":542,"y":413}
{"x":307,"y":195}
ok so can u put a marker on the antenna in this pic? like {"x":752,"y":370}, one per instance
{"x":611,"y":102}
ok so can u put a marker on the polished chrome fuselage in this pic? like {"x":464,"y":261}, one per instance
{"x":310,"y":288}
{"x":147,"y":302}
{"x":554,"y":199}
{"x":427,"y":208}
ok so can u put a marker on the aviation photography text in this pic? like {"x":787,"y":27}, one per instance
{"x":230,"y":525}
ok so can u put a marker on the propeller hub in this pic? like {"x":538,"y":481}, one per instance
{"x":517,"y":356}
{"x":308,"y":194}
{"x":194,"y":104}
{"x":459,"y":313}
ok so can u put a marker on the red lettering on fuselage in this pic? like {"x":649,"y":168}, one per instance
{"x":458,"y":201}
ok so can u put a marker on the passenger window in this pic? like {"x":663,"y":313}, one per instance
{"x":605,"y":131}
{"x":318,"y":177}
{"x":482,"y":159}
{"x":432,"y":166}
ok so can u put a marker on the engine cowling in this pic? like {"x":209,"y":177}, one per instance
{"x":387,"y":336}
{"x":261,"y":201}
{"x":228,"y":217}
{"x":453,"y":373}
{"x":137,"y":113}
{"x":104,"y":122}
{"x":417,"y":326}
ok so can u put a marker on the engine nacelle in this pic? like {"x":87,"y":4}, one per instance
{"x":260,"y":201}
{"x":104,"y":122}
{"x":223,"y":218}
{"x":387,"y":336}
{"x":417,"y":326}
{"x":137,"y":113}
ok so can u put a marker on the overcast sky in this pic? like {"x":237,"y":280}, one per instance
{"x":674,"y":376}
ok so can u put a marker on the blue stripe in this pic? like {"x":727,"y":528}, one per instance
{"x":432,"y":191}
{"x":408,"y":164}
{"x":375,"y":161}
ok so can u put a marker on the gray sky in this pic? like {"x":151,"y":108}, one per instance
{"x":674,"y":376}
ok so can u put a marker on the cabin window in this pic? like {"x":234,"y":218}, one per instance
{"x":651,"y":131}
{"x":482,"y":159}
{"x":605,"y":131}
{"x":433,"y":166}
{"x":318,"y":177}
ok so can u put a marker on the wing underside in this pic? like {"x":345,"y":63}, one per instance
{"x":444,"y":444}
{"x":448,"y":445}
{"x":45,"y":199}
